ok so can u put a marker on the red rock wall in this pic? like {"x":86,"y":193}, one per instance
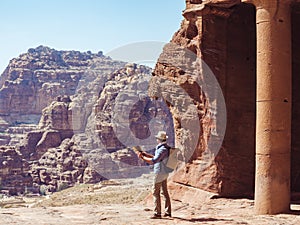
{"x":295,"y":172}
{"x":225,"y":39}
{"x":234,"y":62}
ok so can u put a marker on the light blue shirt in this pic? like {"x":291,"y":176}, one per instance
{"x":160,"y":158}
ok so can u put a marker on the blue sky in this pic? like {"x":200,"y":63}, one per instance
{"x":95,"y":25}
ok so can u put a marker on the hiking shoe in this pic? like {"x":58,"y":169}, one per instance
{"x":156,"y":216}
{"x":167,"y":215}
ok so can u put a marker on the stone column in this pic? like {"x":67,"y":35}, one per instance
{"x":273,"y":122}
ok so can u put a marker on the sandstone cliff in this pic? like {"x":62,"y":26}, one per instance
{"x":76,"y":124}
{"x":122,"y":116}
{"x":212,"y":59}
{"x":36,"y":78}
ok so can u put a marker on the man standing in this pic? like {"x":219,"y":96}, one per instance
{"x":159,"y":159}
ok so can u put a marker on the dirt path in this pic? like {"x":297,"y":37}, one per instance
{"x":112,"y":203}
{"x":219,"y":211}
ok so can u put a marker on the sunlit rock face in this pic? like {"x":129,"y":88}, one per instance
{"x":36,"y":78}
{"x":94,"y":110}
{"x":216,"y":39}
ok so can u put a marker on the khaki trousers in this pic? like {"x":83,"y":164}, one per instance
{"x":160,"y":186}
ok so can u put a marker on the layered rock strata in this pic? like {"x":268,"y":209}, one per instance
{"x":221,"y":34}
{"x":36,"y":78}
{"x":123,"y":116}
{"x":212,"y":58}
{"x":14,"y":170}
{"x":85,"y":132}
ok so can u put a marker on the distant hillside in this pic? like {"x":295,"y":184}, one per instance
{"x":68,"y":117}
{"x":34,"y":79}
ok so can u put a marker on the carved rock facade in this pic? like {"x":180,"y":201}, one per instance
{"x":223,"y":35}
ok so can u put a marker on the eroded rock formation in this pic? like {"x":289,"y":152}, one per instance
{"x":222,"y":37}
{"x":62,"y":167}
{"x":123,"y":116}
{"x":14,"y":170}
{"x":36,"y":78}
{"x":85,"y":132}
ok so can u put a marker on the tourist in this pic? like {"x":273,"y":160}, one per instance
{"x":161,"y":174}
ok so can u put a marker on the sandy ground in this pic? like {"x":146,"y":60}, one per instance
{"x":119,"y":202}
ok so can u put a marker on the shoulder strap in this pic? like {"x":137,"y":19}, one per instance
{"x":168,"y":148}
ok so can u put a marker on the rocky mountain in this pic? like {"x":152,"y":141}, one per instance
{"x":71,"y":117}
{"x":36,"y":78}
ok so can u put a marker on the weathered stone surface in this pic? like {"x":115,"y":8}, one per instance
{"x":223,"y":35}
{"x":109,"y":104}
{"x":62,"y":166}
{"x":29,"y":144}
{"x":50,"y":139}
{"x":14,"y":176}
{"x":57,"y":115}
{"x":295,"y":182}
{"x":4,"y":139}
{"x":124,"y":115}
{"x":37,"y":78}
{"x":216,"y":34}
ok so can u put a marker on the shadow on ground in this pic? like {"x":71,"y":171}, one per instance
{"x":200,"y":219}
